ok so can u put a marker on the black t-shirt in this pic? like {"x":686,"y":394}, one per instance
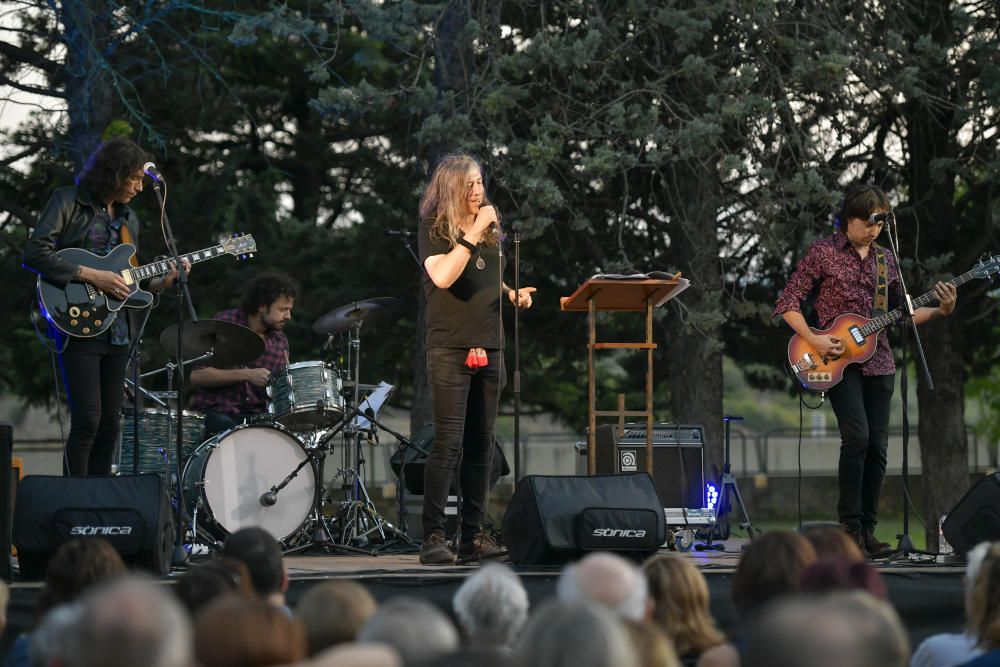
{"x":467,"y":314}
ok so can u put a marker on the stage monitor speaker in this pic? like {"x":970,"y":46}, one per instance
{"x":678,"y":459}
{"x":7,"y":486}
{"x":552,"y":520}
{"x":414,"y":458}
{"x":132,"y":512}
{"x":976,"y":517}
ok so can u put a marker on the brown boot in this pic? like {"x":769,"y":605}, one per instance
{"x":480,"y":547}
{"x":872,"y":546}
{"x":435,"y":550}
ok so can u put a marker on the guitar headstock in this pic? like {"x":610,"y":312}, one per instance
{"x":241,"y":247}
{"x":986,"y":267}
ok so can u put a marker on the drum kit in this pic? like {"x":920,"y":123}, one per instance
{"x":269,"y":473}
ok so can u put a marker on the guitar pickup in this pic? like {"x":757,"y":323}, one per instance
{"x":859,"y":338}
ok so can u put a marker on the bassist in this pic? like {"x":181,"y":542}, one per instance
{"x":842,"y":271}
{"x":93,"y":215}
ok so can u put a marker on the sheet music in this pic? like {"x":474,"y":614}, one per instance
{"x":375,"y":401}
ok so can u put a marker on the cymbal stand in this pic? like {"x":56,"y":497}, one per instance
{"x":357,"y":517}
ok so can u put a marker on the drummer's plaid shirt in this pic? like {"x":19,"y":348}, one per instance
{"x":243,"y":397}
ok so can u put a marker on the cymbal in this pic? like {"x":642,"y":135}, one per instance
{"x":356,"y":312}
{"x":231,"y":344}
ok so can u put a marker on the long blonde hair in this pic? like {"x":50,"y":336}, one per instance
{"x":982,"y":605}
{"x":443,"y":203}
{"x":681,"y":610}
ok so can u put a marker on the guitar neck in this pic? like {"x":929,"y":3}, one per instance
{"x":162,"y":267}
{"x":882,"y":321}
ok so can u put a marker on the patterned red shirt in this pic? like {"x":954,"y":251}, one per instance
{"x":846,"y":284}
{"x":243,"y":397}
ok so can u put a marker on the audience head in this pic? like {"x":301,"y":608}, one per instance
{"x":206,"y":581}
{"x":983,"y":600}
{"x":357,"y":655}
{"x":681,"y":604}
{"x":833,"y":542}
{"x":418,"y":630}
{"x":260,"y":552}
{"x":828,"y":575}
{"x":772,"y":566}
{"x":51,"y":640}
{"x":236,"y":631}
{"x":652,"y":647}
{"x":608,"y":580}
{"x":491,"y":606}
{"x":333,"y":612}
{"x":564,"y":634}
{"x":76,"y":566}
{"x":129,"y":622}
{"x":836,"y":630}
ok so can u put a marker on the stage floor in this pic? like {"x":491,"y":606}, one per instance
{"x":928,"y":596}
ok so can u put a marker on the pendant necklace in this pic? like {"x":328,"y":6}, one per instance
{"x":480,"y":262}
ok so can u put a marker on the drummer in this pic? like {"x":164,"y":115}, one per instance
{"x":231,"y":396}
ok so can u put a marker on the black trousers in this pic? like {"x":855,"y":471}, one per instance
{"x":862,"y":405}
{"x":465,"y":413}
{"x":94,"y":375}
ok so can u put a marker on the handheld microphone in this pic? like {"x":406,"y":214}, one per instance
{"x":880,"y":217}
{"x":399,"y":232}
{"x":268,"y":499}
{"x":150,"y":170}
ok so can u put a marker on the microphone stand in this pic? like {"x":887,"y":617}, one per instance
{"x":517,"y":359}
{"x":179,"y":556}
{"x":133,"y":355}
{"x":905,"y":543}
{"x":405,"y":234}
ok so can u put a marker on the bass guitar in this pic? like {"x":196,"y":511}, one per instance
{"x":859,"y":336}
{"x":79,"y":309}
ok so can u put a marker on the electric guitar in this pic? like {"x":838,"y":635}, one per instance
{"x":859,"y":336}
{"x":80,"y":309}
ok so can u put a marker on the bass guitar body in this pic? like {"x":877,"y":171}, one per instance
{"x":821,"y":373}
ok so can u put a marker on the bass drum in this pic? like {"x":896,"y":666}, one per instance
{"x":226,"y":476}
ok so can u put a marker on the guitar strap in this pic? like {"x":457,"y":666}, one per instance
{"x":127,"y":238}
{"x":881,"y":282}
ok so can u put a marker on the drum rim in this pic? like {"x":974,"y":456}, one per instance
{"x":163,"y":411}
{"x":306,"y":364}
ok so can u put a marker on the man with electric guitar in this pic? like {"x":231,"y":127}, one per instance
{"x":855,"y":282}
{"x":92,"y":341}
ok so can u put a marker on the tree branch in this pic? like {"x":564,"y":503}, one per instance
{"x":28,"y":88}
{"x":29,"y":57}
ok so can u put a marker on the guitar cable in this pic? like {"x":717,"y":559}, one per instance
{"x":801,"y":388}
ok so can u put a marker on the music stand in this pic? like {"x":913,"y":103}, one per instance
{"x":637,"y":294}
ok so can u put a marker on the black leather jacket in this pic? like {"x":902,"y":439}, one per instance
{"x":65,"y":223}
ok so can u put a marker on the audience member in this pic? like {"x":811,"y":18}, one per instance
{"x":771,"y":566}
{"x":835,"y":630}
{"x":236,"y":631}
{"x":983,"y":609}
{"x":681,"y":606}
{"x":832,"y":541}
{"x":260,"y":552}
{"x":51,"y":639}
{"x":491,"y":607}
{"x":333,"y":612}
{"x":828,"y":575}
{"x":75,"y":567}
{"x":473,"y":657}
{"x":608,"y":580}
{"x":652,"y":647}
{"x":204,"y":582}
{"x":371,"y":654}
{"x":418,"y":630}
{"x":954,"y":648}
{"x":564,"y":634}
{"x":130,"y":622}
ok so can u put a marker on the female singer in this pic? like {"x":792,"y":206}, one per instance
{"x":459,"y":242}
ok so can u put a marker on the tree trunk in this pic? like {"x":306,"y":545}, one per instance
{"x":694,"y":333}
{"x":89,"y":90}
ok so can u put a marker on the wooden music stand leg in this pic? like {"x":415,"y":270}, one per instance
{"x":649,"y":388}
{"x":591,"y":390}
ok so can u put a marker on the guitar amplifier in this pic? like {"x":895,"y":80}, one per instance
{"x":678,"y":462}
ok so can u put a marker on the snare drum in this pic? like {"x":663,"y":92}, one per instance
{"x":226,"y":476}
{"x":306,"y":396}
{"x":158,"y":440}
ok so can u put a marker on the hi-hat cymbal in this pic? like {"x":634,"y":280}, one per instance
{"x":231,"y":344}
{"x":356,"y":312}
